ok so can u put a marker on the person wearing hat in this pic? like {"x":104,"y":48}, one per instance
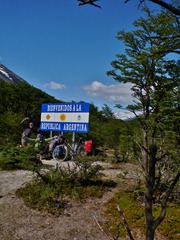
{"x":28,"y":129}
{"x":40,"y":143}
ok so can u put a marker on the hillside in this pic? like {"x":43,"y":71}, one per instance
{"x":9,"y":76}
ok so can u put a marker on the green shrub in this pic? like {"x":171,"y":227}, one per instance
{"x":16,"y":157}
{"x":54,"y":188}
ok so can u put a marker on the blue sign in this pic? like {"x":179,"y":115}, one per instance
{"x":65,"y":117}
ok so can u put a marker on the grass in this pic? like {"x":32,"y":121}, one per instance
{"x":135,"y":216}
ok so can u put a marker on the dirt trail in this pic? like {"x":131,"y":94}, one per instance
{"x":20,"y":222}
{"x":79,"y":222}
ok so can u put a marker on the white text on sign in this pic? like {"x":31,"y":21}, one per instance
{"x":64,"y":108}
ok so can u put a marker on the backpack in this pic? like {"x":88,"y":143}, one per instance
{"x":58,"y":151}
{"x":88,"y":146}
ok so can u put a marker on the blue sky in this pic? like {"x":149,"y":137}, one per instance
{"x":65,"y":49}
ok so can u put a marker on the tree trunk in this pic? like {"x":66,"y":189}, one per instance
{"x":150,"y":181}
{"x":150,"y":231}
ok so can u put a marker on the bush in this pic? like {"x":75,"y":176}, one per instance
{"x":16,"y":157}
{"x":54,"y":188}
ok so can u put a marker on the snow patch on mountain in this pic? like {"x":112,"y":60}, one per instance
{"x":9,"y":76}
{"x":6,"y":74}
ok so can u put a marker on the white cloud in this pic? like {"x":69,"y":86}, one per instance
{"x":124,"y":115}
{"x":54,"y":85}
{"x":119,"y":93}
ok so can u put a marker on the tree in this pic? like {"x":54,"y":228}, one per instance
{"x":101,"y":125}
{"x":107,"y":112}
{"x":154,"y":77}
{"x":169,"y":6}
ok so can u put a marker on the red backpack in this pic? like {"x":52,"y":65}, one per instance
{"x":88,"y":146}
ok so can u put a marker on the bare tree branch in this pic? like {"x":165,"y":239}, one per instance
{"x":161,"y":3}
{"x":164,"y":37}
{"x":169,"y":7}
{"x":125,"y":222}
{"x":95,"y":218}
{"x":165,"y":200}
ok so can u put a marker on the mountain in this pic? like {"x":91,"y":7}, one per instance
{"x":9,"y":76}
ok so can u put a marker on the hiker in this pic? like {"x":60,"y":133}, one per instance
{"x":28,"y":129}
{"x":57,"y":141}
{"x":40,"y":143}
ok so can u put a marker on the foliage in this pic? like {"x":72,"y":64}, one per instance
{"x":83,"y":171}
{"x":107,"y":112}
{"x":154,"y":77}
{"x":10,"y":131}
{"x":16,"y":157}
{"x":134,"y":213}
{"x":54,"y":188}
{"x":16,"y":102}
{"x":104,"y":131}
